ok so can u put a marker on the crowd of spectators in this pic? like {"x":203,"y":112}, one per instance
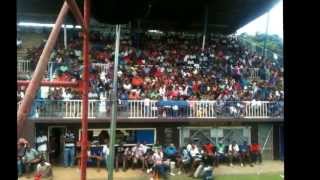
{"x":166,"y":67}
{"x":171,"y":67}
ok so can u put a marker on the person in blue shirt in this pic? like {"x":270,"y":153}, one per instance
{"x":171,"y":152}
{"x":245,"y":153}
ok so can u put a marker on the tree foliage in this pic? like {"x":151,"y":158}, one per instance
{"x":273,"y":42}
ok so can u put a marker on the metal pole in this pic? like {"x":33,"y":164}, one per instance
{"x":205,"y":26}
{"x":76,"y":13}
{"x":84,"y":120}
{"x":65,"y":36}
{"x":50,"y":83}
{"x":266,"y":36}
{"x":39,"y":71}
{"x":114,"y":106}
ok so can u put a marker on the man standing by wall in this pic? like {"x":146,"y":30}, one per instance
{"x":69,"y":148}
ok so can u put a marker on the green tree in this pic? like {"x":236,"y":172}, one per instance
{"x":274,"y":42}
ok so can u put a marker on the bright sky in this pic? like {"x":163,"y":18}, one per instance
{"x":259,"y":24}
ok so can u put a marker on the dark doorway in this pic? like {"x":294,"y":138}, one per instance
{"x":56,"y":145}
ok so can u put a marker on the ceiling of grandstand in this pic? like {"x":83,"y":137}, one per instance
{"x":225,"y":16}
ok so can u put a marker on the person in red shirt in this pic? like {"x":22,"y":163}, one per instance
{"x":136,"y":81}
{"x":210,"y":150}
{"x":255,"y":152}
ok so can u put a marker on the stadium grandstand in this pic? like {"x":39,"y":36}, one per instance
{"x":183,"y":78}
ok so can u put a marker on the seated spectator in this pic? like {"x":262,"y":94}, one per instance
{"x":161,"y":169}
{"x":207,"y":169}
{"x":138,"y":152}
{"x":170,"y":152}
{"x":148,"y":161}
{"x":128,"y":156}
{"x":134,"y":95}
{"x":255,"y":152}
{"x":209,"y":149}
{"x":186,"y":159}
{"x":20,"y":154}
{"x":120,"y":156}
{"x":233,"y":152}
{"x":30,"y":159}
{"x":195,"y":157}
{"x":44,"y":170}
{"x":220,"y":153}
{"x":245,"y":153}
{"x":156,"y":146}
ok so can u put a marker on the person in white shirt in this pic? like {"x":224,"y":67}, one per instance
{"x":137,"y":153}
{"x":233,"y":152}
{"x":144,"y":147}
{"x":146,"y":103}
{"x":42,"y":145}
{"x":104,"y":156}
{"x":44,"y":170}
{"x":195,"y":157}
{"x":44,"y":92}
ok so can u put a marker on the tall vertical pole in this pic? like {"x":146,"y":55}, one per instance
{"x":65,"y":36}
{"x":114,"y":106}
{"x":37,"y":76}
{"x":266,"y":36}
{"x":205,"y":26}
{"x":84,"y":120}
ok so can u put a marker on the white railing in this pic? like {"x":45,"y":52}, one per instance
{"x":24,"y":66}
{"x":139,"y":109}
{"x":101,"y":66}
{"x":254,"y":73}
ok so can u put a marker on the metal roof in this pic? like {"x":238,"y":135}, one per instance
{"x":224,"y":16}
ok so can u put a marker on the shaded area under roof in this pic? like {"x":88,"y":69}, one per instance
{"x":224,"y":16}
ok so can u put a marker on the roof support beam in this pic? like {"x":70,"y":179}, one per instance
{"x":77,"y":13}
{"x":39,"y":71}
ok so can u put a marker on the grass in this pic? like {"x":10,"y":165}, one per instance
{"x":266,"y":176}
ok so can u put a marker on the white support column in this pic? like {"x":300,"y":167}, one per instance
{"x":65,"y":36}
{"x":114,"y":105}
{"x":205,"y":26}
